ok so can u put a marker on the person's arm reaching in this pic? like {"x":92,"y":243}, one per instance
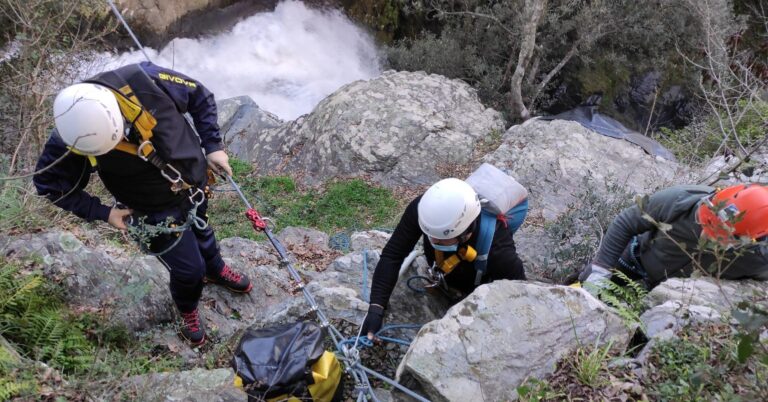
{"x":403,"y":240}
{"x":63,"y":183}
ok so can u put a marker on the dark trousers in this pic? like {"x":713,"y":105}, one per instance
{"x":195,"y":255}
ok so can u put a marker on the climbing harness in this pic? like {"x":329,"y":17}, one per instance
{"x":143,"y":232}
{"x":434,"y":280}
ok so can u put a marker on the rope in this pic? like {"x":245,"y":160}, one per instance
{"x":349,"y":355}
{"x":417,"y":289}
{"x":364,"y":291}
{"x":128,"y":28}
{"x":363,"y":341}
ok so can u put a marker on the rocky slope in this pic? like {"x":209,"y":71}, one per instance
{"x":398,"y":129}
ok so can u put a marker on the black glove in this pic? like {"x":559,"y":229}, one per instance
{"x":373,"y":320}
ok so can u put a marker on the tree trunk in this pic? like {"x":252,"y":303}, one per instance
{"x":534,"y":11}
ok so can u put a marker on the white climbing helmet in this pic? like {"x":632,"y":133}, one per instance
{"x":448,"y":208}
{"x":88,"y":118}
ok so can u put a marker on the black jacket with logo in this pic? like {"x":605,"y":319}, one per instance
{"x":167,"y":95}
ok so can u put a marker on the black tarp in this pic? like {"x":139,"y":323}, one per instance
{"x":589,"y":117}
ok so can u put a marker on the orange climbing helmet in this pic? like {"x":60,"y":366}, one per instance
{"x":736,"y":211}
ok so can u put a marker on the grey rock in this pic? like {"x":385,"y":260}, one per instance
{"x":303,"y":237}
{"x":383,"y":395}
{"x":134,"y":288}
{"x":664,"y":320}
{"x":196,"y":385}
{"x":755,"y":171}
{"x":722,"y":295}
{"x":240,"y":119}
{"x":156,"y":18}
{"x":553,"y":160}
{"x":399,"y":128}
{"x":369,"y":240}
{"x":503,"y":333}
{"x":105,"y":278}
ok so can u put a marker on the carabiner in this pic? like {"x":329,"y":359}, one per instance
{"x":140,"y":150}
{"x":195,"y":193}
{"x":173,"y":180}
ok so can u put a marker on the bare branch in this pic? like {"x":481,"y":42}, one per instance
{"x":535,"y":10}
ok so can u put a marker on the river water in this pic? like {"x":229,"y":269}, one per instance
{"x":287,"y":60}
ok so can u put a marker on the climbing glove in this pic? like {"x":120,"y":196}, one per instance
{"x":373,"y":321}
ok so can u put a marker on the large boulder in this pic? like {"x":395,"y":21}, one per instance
{"x":240,"y":120}
{"x":562,"y":163}
{"x":399,"y":128}
{"x":553,"y":160}
{"x":502,"y":334}
{"x":132,"y":289}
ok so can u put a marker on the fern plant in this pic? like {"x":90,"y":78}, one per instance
{"x":15,"y":377}
{"x":626,"y":299}
{"x":35,"y":320}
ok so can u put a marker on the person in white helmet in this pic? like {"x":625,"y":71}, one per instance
{"x":128,"y":125}
{"x":448,"y":217}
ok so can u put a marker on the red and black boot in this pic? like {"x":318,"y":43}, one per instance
{"x":192,"y":328}
{"x":230,"y":279}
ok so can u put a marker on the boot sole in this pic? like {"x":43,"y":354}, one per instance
{"x":192,"y":343}
{"x":246,"y":290}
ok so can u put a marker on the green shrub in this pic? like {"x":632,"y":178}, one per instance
{"x":705,"y":137}
{"x":627,"y":298}
{"x":573,"y":238}
{"x":702,"y":365}
{"x":16,"y":376}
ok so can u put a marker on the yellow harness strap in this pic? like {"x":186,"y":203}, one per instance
{"x":142,"y":120}
{"x":447,"y":265}
{"x":439,"y":258}
{"x":91,"y":158}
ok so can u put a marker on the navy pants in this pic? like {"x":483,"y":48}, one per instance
{"x":195,"y":255}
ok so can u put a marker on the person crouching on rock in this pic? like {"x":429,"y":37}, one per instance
{"x":679,"y":229}
{"x":128,"y":125}
{"x":452,"y":221}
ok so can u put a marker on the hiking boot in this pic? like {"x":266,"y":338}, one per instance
{"x":192,"y":329}
{"x":231,"y":280}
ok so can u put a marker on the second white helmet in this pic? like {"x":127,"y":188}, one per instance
{"x":88,"y":118}
{"x":448,"y":208}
